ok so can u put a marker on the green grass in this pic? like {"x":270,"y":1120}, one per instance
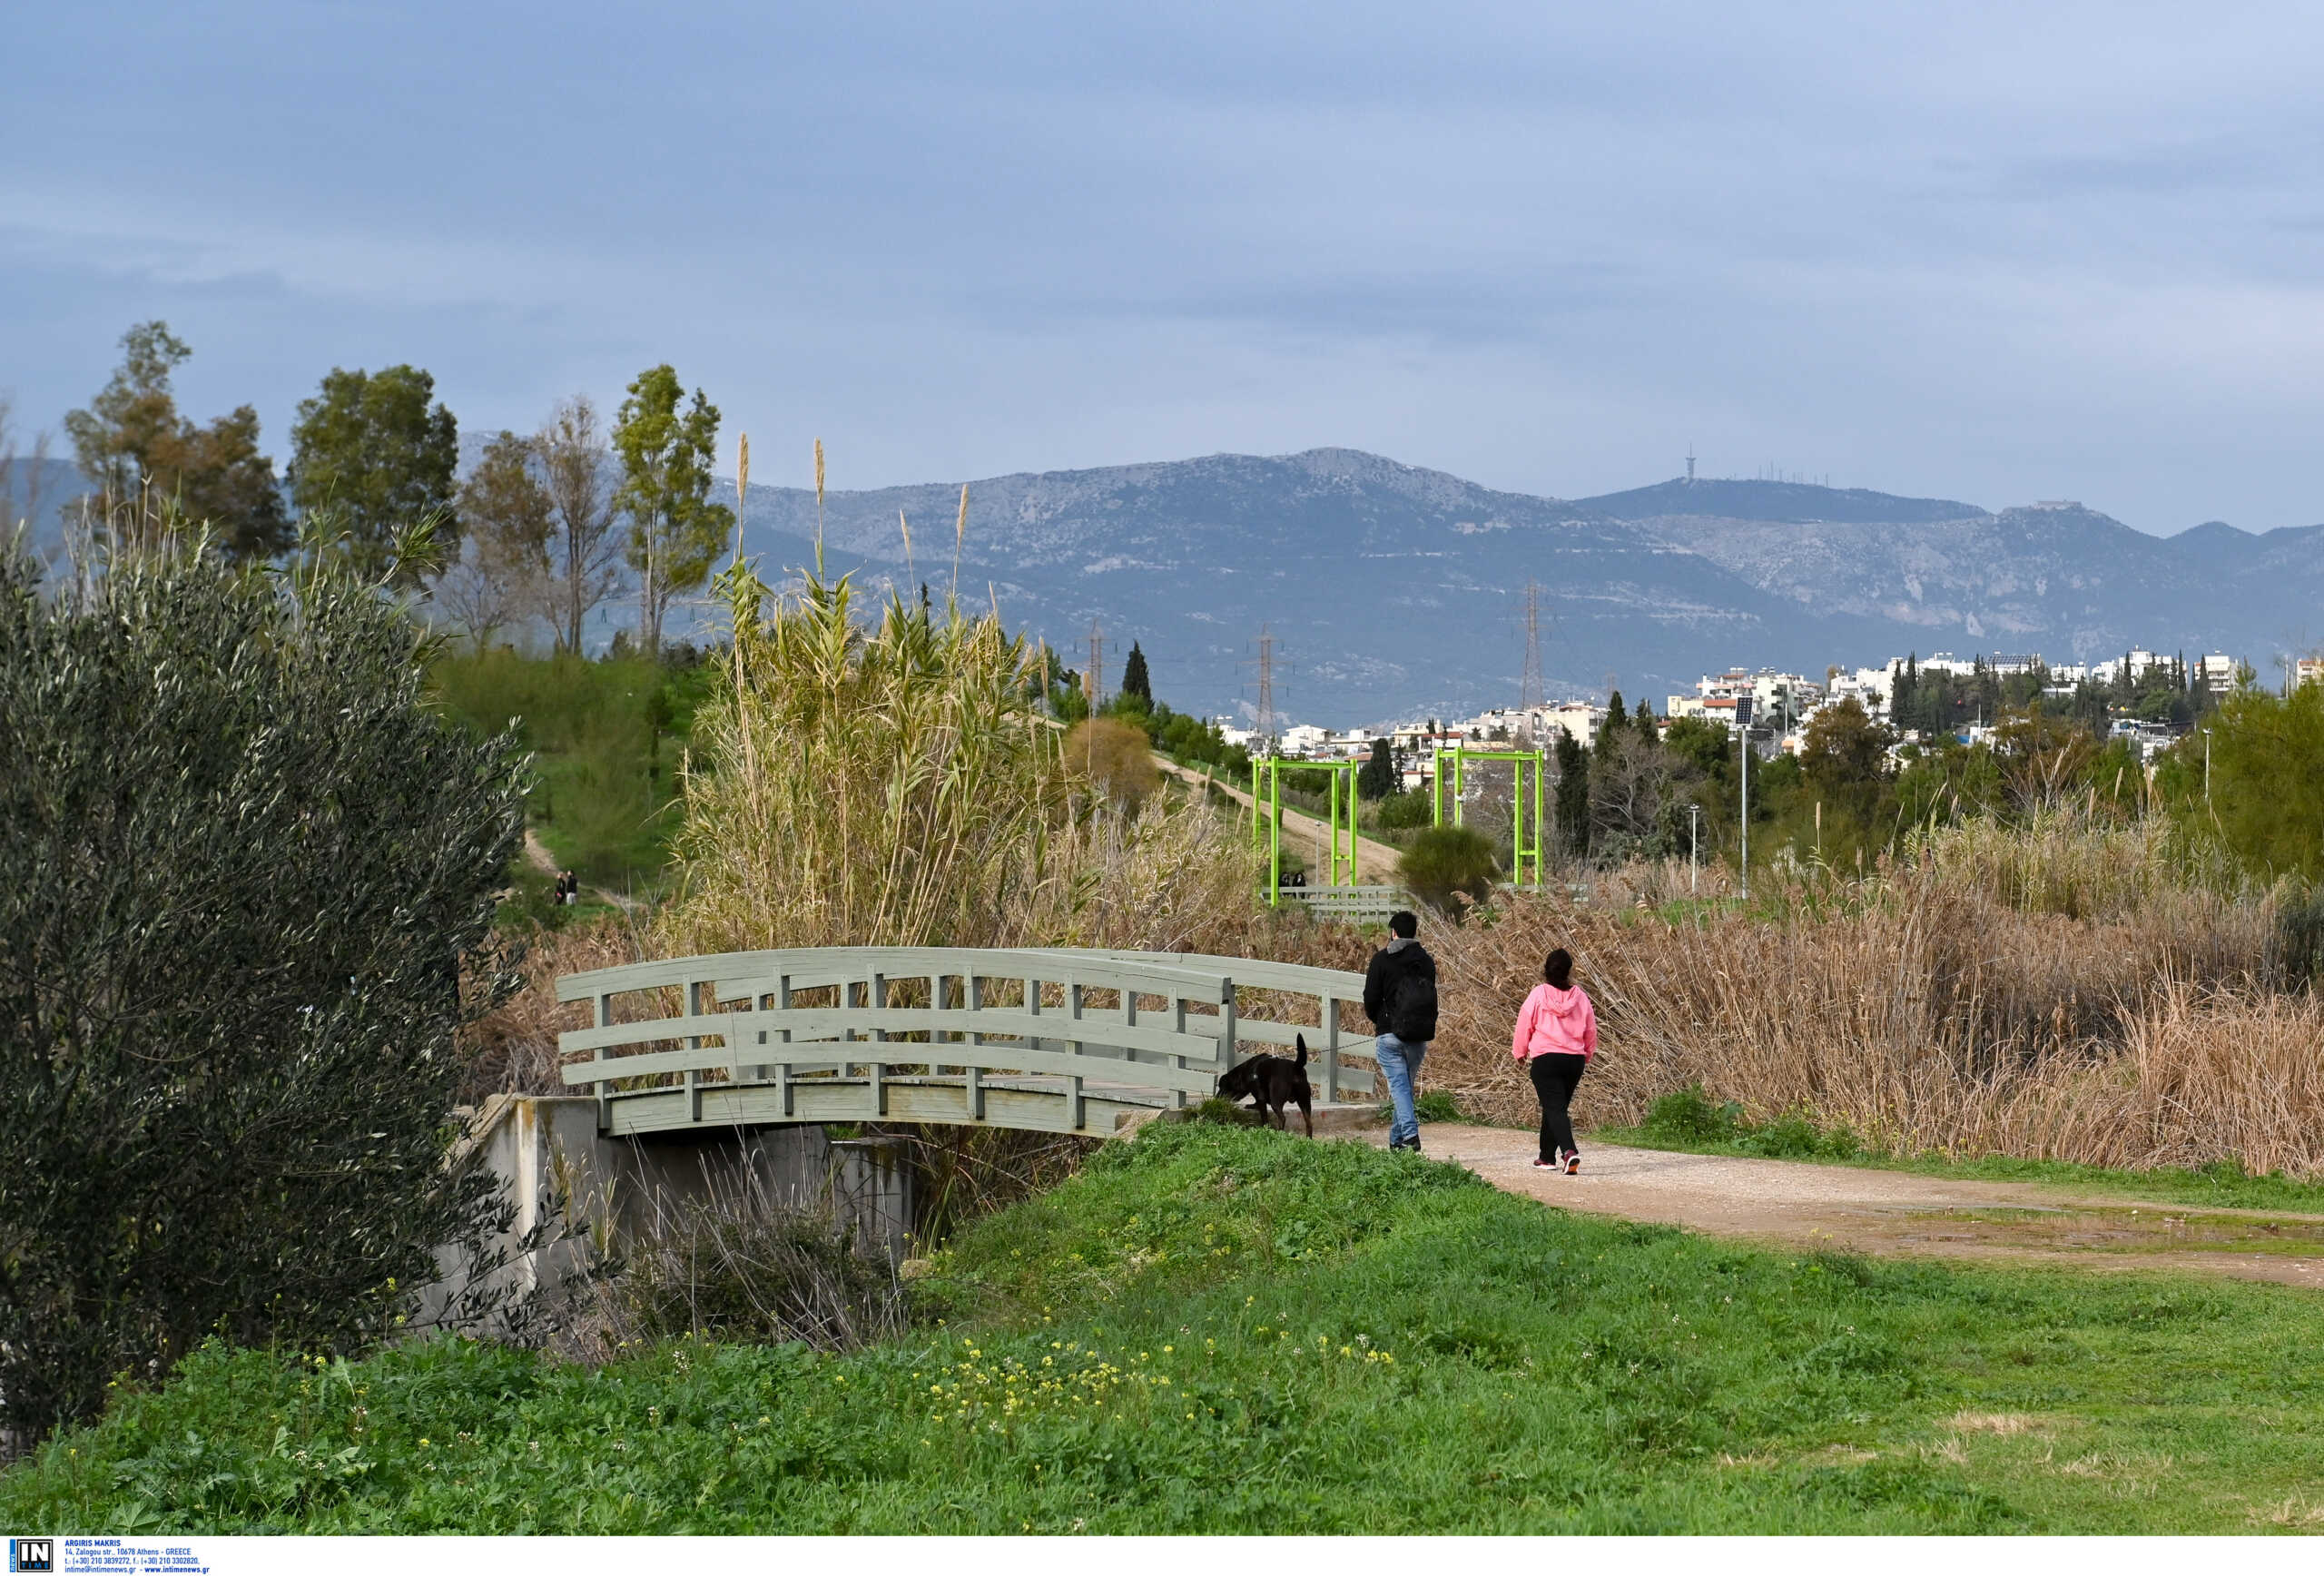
{"x":1686,"y":1121}
{"x":1227,"y":1330}
{"x":607,"y":737}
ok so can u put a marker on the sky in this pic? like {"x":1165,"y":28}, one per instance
{"x":1996,"y":252}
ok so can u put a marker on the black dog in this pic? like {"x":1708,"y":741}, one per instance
{"x":1274,"y":1083}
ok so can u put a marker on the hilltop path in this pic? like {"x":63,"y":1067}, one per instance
{"x":1374,"y":860}
{"x":1864,"y":1210}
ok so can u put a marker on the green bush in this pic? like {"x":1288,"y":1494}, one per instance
{"x":1444,"y":862}
{"x":1403,"y":812}
{"x":246,"y":877}
{"x":1690,"y":1116}
{"x":1428,"y":1106}
{"x":1436,"y":1106}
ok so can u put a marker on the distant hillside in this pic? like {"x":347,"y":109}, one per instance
{"x":1725,"y":498}
{"x":1393,"y":591}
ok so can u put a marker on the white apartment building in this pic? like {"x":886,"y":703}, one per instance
{"x":1870,"y":688}
{"x":1521,"y":726}
{"x":1303,"y":739}
{"x":1786,"y":695}
{"x":2307,"y":671}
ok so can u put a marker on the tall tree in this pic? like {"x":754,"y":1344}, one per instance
{"x":508,"y":515}
{"x":675,"y":533}
{"x":1573,"y":794}
{"x":149,"y":464}
{"x":1376,"y":779}
{"x":1134,"y":677}
{"x":217,"y":476}
{"x":585,"y":558}
{"x":375,"y":456}
{"x":120,"y":434}
{"x":1617,"y":719}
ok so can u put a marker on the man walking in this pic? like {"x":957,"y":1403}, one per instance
{"x":1400,"y":999}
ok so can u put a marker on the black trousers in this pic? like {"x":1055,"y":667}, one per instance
{"x":1554,"y":1075}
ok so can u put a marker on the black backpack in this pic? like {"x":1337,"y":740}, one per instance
{"x":1412,"y":1007}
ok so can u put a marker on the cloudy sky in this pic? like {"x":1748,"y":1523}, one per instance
{"x":1990,"y":251}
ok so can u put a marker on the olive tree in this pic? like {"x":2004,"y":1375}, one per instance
{"x":247,"y":880}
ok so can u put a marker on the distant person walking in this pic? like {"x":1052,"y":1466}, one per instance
{"x":1557,"y":1032}
{"x":1400,"y":999}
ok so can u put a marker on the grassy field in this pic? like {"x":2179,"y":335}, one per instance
{"x":1226,"y":1330}
{"x":607,"y":737}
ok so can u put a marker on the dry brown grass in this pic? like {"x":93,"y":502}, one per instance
{"x":514,"y":1047}
{"x":1927,"y":1011}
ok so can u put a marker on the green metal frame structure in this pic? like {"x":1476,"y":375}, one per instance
{"x":1521,"y":850}
{"x":1266,"y":818}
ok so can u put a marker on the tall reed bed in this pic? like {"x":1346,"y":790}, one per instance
{"x":896,"y":783}
{"x":2067,"y":995}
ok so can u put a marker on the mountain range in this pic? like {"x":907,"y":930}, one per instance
{"x":1392,"y":591}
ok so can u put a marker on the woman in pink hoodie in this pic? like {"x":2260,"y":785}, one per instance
{"x":1556,"y":1031}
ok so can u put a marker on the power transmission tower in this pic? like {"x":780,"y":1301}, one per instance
{"x":1267,"y":688}
{"x":1531,"y":697}
{"x":1093,"y":684}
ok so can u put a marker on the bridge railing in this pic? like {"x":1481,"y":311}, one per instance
{"x":1370,"y":901}
{"x":1035,"y":1037}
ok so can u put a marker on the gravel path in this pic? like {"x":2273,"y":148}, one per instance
{"x":1858,"y":1209}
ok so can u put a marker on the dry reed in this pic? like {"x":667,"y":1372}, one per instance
{"x":2063,"y":998}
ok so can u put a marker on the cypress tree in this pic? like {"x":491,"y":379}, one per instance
{"x":1377,"y":780}
{"x":1134,"y":677}
{"x":1573,"y":794}
{"x":1617,"y":719}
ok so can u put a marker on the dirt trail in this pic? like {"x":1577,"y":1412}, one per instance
{"x":546,"y":863}
{"x":1374,"y":861}
{"x":1866,"y":1211}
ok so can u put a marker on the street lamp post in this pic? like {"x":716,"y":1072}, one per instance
{"x":1743,"y":765}
{"x":1694,"y":843}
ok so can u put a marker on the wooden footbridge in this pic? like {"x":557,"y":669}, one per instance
{"x":1063,"y":1040}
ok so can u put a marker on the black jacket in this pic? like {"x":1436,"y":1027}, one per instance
{"x":1400,"y":993}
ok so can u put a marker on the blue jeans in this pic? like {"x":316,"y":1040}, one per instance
{"x":1400,"y":1063}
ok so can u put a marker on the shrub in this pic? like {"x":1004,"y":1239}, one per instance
{"x":1690,"y":1116}
{"x":241,"y":866}
{"x":1403,"y":812}
{"x":1446,"y":861}
{"x":1115,"y":758}
{"x":1436,"y":1106}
